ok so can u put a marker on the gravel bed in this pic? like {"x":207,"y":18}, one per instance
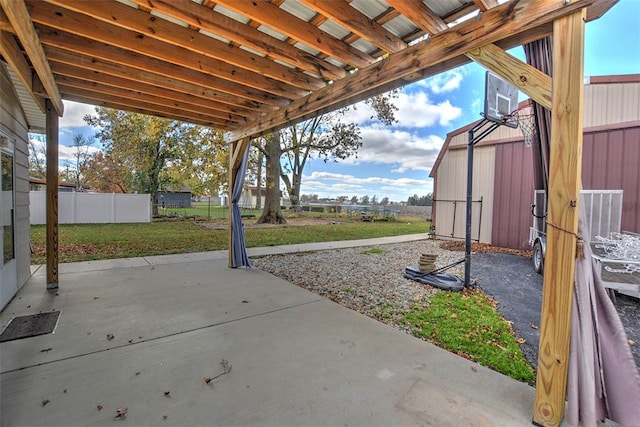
{"x":365,"y":279}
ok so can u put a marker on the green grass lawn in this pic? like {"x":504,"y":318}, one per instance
{"x":107,"y":241}
{"x":468,"y":324}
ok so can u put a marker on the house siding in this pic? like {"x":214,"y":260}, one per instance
{"x":14,"y":125}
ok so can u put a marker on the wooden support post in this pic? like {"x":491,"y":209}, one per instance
{"x":52,"y":195}
{"x":562,"y":220}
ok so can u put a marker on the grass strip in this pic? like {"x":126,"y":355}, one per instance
{"x":467,"y":324}
{"x":109,"y":241}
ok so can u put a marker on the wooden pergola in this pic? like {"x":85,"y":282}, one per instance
{"x":250,"y":67}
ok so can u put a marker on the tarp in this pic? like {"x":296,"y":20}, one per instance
{"x":239,"y":257}
{"x":603,"y":378}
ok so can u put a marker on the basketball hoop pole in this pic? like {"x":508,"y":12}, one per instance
{"x":473,"y":139}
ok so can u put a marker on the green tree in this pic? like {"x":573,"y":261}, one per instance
{"x":384,"y":201}
{"x":141,"y":147}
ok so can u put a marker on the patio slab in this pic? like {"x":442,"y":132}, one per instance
{"x":296,"y":358}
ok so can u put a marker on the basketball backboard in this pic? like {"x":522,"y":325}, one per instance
{"x":501,"y":99}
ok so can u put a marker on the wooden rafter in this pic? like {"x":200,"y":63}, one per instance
{"x":84,"y":25}
{"x":149,"y":26}
{"x":10,"y":50}
{"x":200,"y":16}
{"x":70,"y":49}
{"x":420,"y":14}
{"x":495,"y":24}
{"x":278,"y":19}
{"x":18,"y":16}
{"x":358,"y":24}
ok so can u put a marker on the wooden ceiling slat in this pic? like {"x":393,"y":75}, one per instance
{"x":73,"y":76}
{"x":420,"y":14}
{"x":99,"y":87}
{"x":56,"y":42}
{"x":136,"y":20}
{"x":130,"y":103}
{"x":82,"y":25}
{"x":359,"y":24}
{"x":280,"y":20}
{"x":203,"y":17}
{"x":495,"y":24}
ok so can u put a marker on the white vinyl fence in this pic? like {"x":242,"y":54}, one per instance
{"x":92,"y":208}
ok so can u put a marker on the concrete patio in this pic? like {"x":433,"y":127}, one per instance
{"x":297,"y":358}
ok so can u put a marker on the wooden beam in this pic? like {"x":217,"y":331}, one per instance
{"x":83,"y":25}
{"x":526,"y":78}
{"x":52,"y":194}
{"x":205,"y":18}
{"x":92,"y":55}
{"x":150,"y":26}
{"x":290,"y":25}
{"x":420,"y":14}
{"x":11,"y":53}
{"x":130,"y":103}
{"x":19,"y":18}
{"x":123,"y":81}
{"x":565,"y":170}
{"x":96,"y":83}
{"x":496,"y":24}
{"x":356,"y":22}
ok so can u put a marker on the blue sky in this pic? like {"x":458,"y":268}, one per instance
{"x":395,"y":161}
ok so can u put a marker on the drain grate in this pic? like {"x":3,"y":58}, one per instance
{"x":30,"y":326}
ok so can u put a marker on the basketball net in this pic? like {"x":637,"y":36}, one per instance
{"x":527,"y":125}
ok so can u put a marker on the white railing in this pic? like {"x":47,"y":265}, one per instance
{"x":92,"y":208}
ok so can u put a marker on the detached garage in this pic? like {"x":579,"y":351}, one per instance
{"x":503,"y":182}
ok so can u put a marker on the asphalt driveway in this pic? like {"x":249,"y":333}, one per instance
{"x":512,"y":282}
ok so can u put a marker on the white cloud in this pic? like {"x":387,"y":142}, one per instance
{"x":400,"y":149}
{"x":66,"y":155}
{"x":416,"y":110}
{"x":74,"y":113}
{"x":327,"y":184}
{"x":444,"y":82}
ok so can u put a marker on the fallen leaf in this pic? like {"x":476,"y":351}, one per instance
{"x":164,"y":417}
{"x":245,"y":301}
{"x":121,"y":412}
{"x":454,"y":316}
{"x":631,"y":342}
{"x":44,"y":350}
{"x":96,"y":297}
{"x":521,"y":341}
{"x":45,"y":401}
{"x":100,"y":407}
{"x":167,"y":393}
{"x":64,"y":391}
{"x":533,"y":326}
{"x":474,"y":368}
{"x":137,"y":373}
{"x":110,"y":337}
{"x":207,"y":379}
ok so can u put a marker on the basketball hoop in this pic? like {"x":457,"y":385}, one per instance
{"x":526,"y":123}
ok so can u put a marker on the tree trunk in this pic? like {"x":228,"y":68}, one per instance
{"x":271,"y":213}
{"x":259,"y":181}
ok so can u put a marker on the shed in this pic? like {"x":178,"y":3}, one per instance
{"x":503,"y":168}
